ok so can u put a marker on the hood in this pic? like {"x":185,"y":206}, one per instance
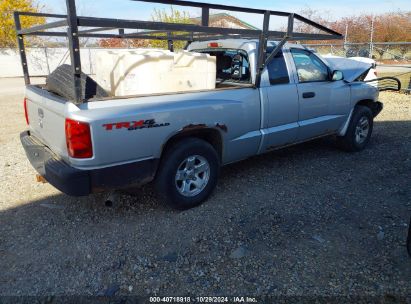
{"x":352,"y":69}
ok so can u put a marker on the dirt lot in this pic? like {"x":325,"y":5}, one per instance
{"x":307,"y":220}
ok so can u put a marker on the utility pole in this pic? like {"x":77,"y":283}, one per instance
{"x":345,"y":37}
{"x":372,"y":37}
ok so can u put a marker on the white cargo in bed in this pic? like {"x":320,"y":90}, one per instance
{"x":151,"y":71}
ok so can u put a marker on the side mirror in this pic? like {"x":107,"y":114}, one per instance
{"x":337,"y":75}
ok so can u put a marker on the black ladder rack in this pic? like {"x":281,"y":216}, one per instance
{"x":189,"y":32}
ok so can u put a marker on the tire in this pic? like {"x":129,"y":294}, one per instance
{"x":359,"y":130}
{"x":61,"y":82}
{"x":189,"y":153}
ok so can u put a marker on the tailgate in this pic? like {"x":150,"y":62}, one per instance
{"x":46,"y":113}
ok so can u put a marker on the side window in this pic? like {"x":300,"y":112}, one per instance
{"x":277,"y":70}
{"x":309,"y":67}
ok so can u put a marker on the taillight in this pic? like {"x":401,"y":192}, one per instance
{"x":78,"y":139}
{"x":26,"y":113}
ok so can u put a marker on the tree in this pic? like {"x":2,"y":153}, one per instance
{"x":393,"y":27}
{"x":388,"y":27}
{"x":7,"y":28}
{"x":174,"y":16}
{"x":112,"y":43}
{"x":124,"y":43}
{"x":314,"y":15}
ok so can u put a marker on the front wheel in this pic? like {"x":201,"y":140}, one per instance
{"x":188,"y":173}
{"x":359,"y":130}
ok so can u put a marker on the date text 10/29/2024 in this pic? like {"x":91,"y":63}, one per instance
{"x":203,"y":300}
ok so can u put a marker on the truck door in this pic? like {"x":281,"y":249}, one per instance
{"x":323,"y":104}
{"x":280,"y":104}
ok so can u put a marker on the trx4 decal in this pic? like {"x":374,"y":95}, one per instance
{"x":135,"y":125}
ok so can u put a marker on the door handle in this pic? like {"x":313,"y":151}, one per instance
{"x":308,"y":95}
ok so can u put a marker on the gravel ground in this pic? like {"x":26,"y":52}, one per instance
{"x":307,"y":220}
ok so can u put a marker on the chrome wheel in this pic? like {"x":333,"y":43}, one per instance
{"x":362,"y":129}
{"x":192,"y":175}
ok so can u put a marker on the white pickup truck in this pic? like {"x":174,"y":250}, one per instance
{"x":180,"y":140}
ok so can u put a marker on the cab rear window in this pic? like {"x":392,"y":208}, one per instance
{"x":232,"y":65}
{"x":277,"y":69}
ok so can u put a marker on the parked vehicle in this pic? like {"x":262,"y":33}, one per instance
{"x":268,"y":95}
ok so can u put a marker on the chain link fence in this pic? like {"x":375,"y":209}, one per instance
{"x":379,"y":50}
{"x":43,"y":60}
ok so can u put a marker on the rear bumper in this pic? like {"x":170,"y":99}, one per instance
{"x":76,"y":182}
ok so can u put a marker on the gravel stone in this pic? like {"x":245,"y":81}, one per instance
{"x":112,"y":290}
{"x":171,"y":257}
{"x":239,"y":253}
{"x":254,"y":236}
{"x":318,"y":238}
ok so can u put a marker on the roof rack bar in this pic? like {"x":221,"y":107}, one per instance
{"x":170,"y":42}
{"x":144,"y":33}
{"x":316,"y":25}
{"x":297,"y":37}
{"x":119,"y":36}
{"x":303,"y":36}
{"x":279,"y":13}
{"x":43,"y":27}
{"x":151,"y":25}
{"x":277,"y":49}
{"x":205,"y":38}
{"x":93,"y":30}
{"x":48,"y":34}
{"x":166,"y":31}
{"x":265,"y":61}
{"x":176,"y":37}
{"x":22,"y":50}
{"x":74,"y":47}
{"x":271,"y":35}
{"x":41,"y":15}
{"x":205,"y":16}
{"x":290,"y":26}
{"x":148,"y":33}
{"x":262,"y":47}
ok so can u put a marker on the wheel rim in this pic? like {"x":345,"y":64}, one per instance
{"x":362,"y":129}
{"x":192,"y":175}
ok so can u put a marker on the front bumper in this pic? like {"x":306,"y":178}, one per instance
{"x":376,"y":108}
{"x":76,"y":182}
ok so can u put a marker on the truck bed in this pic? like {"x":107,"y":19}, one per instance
{"x":219,"y":86}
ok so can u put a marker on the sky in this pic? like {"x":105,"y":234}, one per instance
{"x":332,"y":10}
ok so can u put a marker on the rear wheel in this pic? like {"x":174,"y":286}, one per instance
{"x":188,"y":173}
{"x":359,"y":130}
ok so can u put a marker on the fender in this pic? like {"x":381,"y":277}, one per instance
{"x":375,"y":106}
{"x":215,"y":137}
